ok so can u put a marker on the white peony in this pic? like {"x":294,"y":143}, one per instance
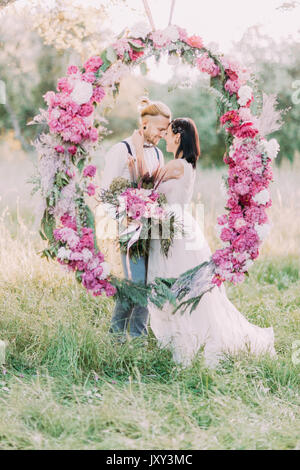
{"x":82,"y":92}
{"x":245,"y":94}
{"x":262,"y":197}
{"x":86,"y":255}
{"x":173,"y":59}
{"x":63,"y":253}
{"x":106,"y":270}
{"x":140,"y":30}
{"x":172,"y":33}
{"x":262,"y":230}
{"x":272,"y":148}
{"x":248,"y":264}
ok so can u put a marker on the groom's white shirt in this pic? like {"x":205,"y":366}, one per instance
{"x":117,"y":157}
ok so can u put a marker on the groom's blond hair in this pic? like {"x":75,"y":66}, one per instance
{"x":154,"y":108}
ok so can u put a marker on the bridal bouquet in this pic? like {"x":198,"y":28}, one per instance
{"x":142,"y":214}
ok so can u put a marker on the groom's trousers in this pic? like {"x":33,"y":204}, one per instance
{"x":135,"y":317}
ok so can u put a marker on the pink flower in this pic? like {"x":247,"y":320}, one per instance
{"x":232,"y":74}
{"x":243,"y":131}
{"x":90,"y":171}
{"x":68,"y":221}
{"x":88,"y":77}
{"x":222,"y":219}
{"x":110,"y":290}
{"x":232,"y":86}
{"x":70,"y":173}
{"x":88,"y":280}
{"x":207,"y":65}
{"x":183,"y":35}
{"x":226,"y":235}
{"x":72,"y":149}
{"x":64,"y":86}
{"x":86,"y":109}
{"x":72,"y":69}
{"x":93,"y":134}
{"x":50,"y":98}
{"x":91,"y":189}
{"x":195,"y":41}
{"x":98,"y":94}
{"x":231,"y":116}
{"x":93,"y":64}
{"x":241,"y":188}
{"x":59,"y":149}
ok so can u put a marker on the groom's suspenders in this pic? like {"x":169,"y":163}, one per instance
{"x":130,"y":152}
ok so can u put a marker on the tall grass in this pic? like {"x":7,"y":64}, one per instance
{"x":68,"y":385}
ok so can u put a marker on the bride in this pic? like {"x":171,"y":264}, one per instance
{"x":216,"y":325}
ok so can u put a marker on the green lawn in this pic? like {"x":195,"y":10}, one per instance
{"x":67,"y":385}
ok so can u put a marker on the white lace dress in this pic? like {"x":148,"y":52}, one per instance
{"x":215,"y":324}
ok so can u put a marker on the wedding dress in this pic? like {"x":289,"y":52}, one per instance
{"x":215,"y":324}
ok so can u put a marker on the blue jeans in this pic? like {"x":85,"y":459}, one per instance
{"x":135,"y":317}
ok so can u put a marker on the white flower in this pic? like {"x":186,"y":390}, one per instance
{"x":239,"y":223}
{"x":245,"y":94}
{"x":86,"y":255}
{"x":262,"y":230}
{"x":172,"y":33}
{"x":82,"y":92}
{"x":262,"y":197}
{"x":106,"y":270}
{"x":173,"y":59}
{"x":246,"y":115}
{"x":248,"y":264}
{"x":140,"y":30}
{"x":114,"y":74}
{"x":63,"y":253}
{"x":272,"y":148}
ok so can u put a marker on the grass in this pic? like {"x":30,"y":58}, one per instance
{"x":68,"y":385}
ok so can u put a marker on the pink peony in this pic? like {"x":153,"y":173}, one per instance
{"x":183,"y":35}
{"x":243,"y":131}
{"x":90,"y":171}
{"x":93,"y":64}
{"x":88,"y":77}
{"x":91,"y":188}
{"x":232,"y":86}
{"x":226,"y":235}
{"x":72,"y":69}
{"x":59,"y":149}
{"x":98,"y":94}
{"x":231,"y":116}
{"x":93,"y":134}
{"x":195,"y":41}
{"x":68,"y":221}
{"x":241,"y":188}
{"x":86,"y":109}
{"x":72,"y":149}
{"x":207,"y":65}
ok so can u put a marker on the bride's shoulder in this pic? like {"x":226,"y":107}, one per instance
{"x":176,"y":167}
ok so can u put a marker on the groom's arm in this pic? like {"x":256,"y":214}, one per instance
{"x":115,"y":164}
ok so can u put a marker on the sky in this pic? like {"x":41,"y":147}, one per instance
{"x":216,"y":21}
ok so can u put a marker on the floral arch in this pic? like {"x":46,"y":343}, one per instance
{"x":65,"y":173}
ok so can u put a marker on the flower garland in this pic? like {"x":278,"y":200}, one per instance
{"x":65,"y":176}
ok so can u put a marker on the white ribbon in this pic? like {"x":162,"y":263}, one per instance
{"x":136,"y":228}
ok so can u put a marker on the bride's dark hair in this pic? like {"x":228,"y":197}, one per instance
{"x":189,"y":142}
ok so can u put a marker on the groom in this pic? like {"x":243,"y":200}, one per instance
{"x":155,"y":118}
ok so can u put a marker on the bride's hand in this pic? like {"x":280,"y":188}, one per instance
{"x":172,"y":170}
{"x":138,"y":140}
